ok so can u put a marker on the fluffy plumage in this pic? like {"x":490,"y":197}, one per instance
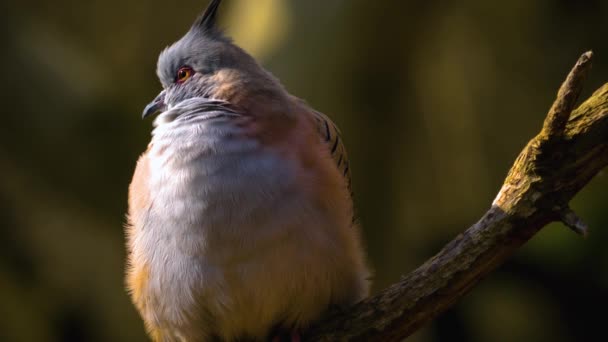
{"x":240,"y":215}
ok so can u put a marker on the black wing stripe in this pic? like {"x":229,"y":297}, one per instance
{"x":330,"y":133}
{"x":327,"y":133}
{"x":333,"y":149}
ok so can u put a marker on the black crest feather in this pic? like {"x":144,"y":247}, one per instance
{"x":206,"y":22}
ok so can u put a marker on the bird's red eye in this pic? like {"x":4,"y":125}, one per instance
{"x":183,"y":74}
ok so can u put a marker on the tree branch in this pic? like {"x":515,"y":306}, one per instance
{"x":570,"y":150}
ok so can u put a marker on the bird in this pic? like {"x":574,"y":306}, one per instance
{"x":240,"y":223}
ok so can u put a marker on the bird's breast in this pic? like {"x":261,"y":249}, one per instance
{"x":214,"y":196}
{"x":211,"y":178}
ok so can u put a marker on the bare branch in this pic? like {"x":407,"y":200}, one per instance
{"x":569,"y":151}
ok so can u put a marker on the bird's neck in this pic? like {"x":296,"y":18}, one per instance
{"x":259,"y":93}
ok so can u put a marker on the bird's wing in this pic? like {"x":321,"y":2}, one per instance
{"x":330,"y":135}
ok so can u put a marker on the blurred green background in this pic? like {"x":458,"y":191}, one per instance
{"x":435,"y":100}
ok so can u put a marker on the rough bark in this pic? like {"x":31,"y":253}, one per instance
{"x":570,"y":150}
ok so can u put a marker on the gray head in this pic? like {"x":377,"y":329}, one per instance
{"x":205,"y":63}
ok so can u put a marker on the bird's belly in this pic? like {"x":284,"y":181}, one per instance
{"x":230,"y":251}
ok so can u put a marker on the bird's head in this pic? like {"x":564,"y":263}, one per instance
{"x":205,"y":63}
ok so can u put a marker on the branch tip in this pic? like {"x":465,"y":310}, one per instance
{"x":585,"y":57}
{"x":567,"y":96}
{"x":575,"y":223}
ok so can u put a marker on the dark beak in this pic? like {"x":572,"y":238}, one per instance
{"x":157,"y":105}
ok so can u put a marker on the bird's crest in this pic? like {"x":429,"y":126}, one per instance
{"x":206,"y":21}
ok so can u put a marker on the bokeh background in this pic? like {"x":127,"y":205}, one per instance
{"x":435,"y":100}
